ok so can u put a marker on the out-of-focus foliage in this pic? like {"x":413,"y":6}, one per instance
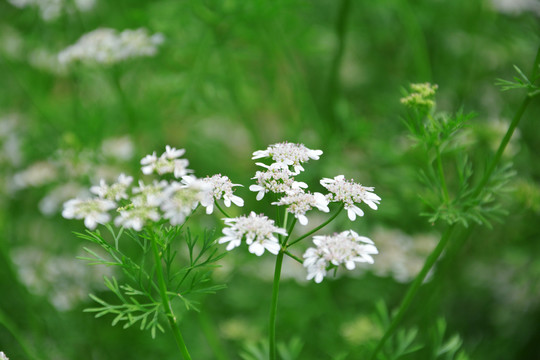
{"x":231,"y":77}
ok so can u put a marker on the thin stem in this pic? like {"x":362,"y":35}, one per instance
{"x":273,"y":308}
{"x":292,"y":256}
{"x":221,"y":209}
{"x":12,"y":328}
{"x":167,"y":308}
{"x":317,"y":228}
{"x":441,"y":175}
{"x":413,"y":289}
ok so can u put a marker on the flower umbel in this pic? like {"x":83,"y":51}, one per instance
{"x":221,"y":187}
{"x":116,"y":191}
{"x":289,"y":154}
{"x":93,"y":211}
{"x":167,"y":163}
{"x":349,"y":193}
{"x":299,"y":202}
{"x":257,"y":230}
{"x":346,"y":248}
{"x":277,"y":179}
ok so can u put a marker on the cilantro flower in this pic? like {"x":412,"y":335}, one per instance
{"x":93,"y":211}
{"x":346,"y":248}
{"x":299,"y":202}
{"x":349,"y":193}
{"x":277,"y":179}
{"x":221,"y":187}
{"x":167,"y":163}
{"x":289,"y":154}
{"x":258,"y":231}
{"x":116,"y":191}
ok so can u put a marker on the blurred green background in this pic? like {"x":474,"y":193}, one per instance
{"x":232,"y":77}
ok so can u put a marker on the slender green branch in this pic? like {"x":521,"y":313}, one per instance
{"x":221,"y":209}
{"x":292,"y":256}
{"x":12,"y":328}
{"x":413,"y":289}
{"x":317,"y":228}
{"x":441,"y":175}
{"x":273,"y":308}
{"x":167,"y":308}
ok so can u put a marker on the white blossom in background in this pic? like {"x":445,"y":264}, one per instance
{"x":52,"y":9}
{"x":47,"y":61}
{"x":116,"y":191}
{"x":289,"y":154}
{"x":346,"y":248}
{"x":299,"y":202}
{"x":52,"y":202}
{"x":3,"y":356}
{"x":108,"y":46}
{"x":167,"y":163}
{"x":119,"y":148}
{"x":93,"y":211}
{"x":10,"y":141}
{"x":258,"y":231}
{"x":516,"y":7}
{"x":136,"y":214}
{"x":221,"y":188}
{"x":350,"y":193}
{"x":277,"y":179}
{"x":37,"y":174}
{"x":180,"y":199}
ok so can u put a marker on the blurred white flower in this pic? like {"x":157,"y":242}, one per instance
{"x":52,"y":202}
{"x":37,"y":174}
{"x":289,"y":154}
{"x":167,"y":163}
{"x":47,"y":61}
{"x":180,"y":199}
{"x":107,"y":46}
{"x":346,"y":248}
{"x":136,"y":214}
{"x":277,"y":179}
{"x":516,"y":7}
{"x":257,"y":230}
{"x":116,"y":191}
{"x":221,"y":187}
{"x":120,"y":148}
{"x":299,"y":202}
{"x":3,"y":356}
{"x":94,"y":211}
{"x":52,"y":9}
{"x":152,"y":194}
{"x":350,"y":193}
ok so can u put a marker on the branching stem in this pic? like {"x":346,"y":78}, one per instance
{"x":167,"y":308}
{"x":317,"y":228}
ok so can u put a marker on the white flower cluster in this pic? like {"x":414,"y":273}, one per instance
{"x":349,"y":193}
{"x":257,"y":230}
{"x":52,"y":9}
{"x":3,"y":356}
{"x":346,"y":248}
{"x":107,"y":46}
{"x":170,"y":200}
{"x":279,"y":178}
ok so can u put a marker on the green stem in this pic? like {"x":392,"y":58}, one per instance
{"x":167,"y":308}
{"x":292,"y":256}
{"x":413,"y":289}
{"x":332,"y":87}
{"x":441,"y":175}
{"x":221,"y":209}
{"x":12,"y":328}
{"x":273,"y":308}
{"x":317,"y":228}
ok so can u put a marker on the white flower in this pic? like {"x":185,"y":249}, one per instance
{"x":3,"y":356}
{"x":257,"y":230}
{"x":346,"y":248}
{"x":37,"y":174}
{"x":289,"y":154}
{"x":299,"y":202}
{"x":153,"y":194}
{"x":350,"y":193}
{"x":52,"y":9}
{"x":277,"y":179}
{"x":94,"y":211}
{"x":167,"y":163}
{"x":136,"y":214}
{"x":120,"y":148}
{"x":116,"y":191}
{"x":107,"y":46}
{"x":180,"y":199}
{"x":221,"y":187}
